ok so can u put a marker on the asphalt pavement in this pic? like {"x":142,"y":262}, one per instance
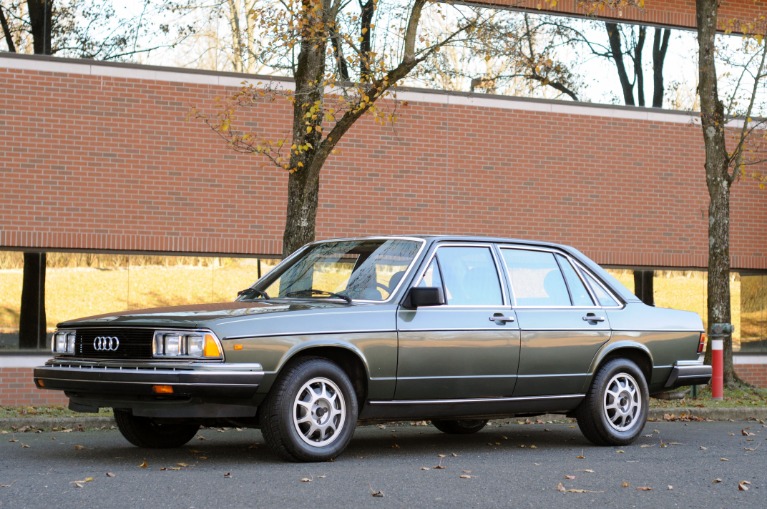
{"x":512,"y":463}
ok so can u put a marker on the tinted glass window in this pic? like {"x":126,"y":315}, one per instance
{"x":431,"y":277}
{"x":535,"y":278}
{"x":469,"y":276}
{"x":578,"y":292}
{"x":367,"y":269}
{"x":605,"y":299}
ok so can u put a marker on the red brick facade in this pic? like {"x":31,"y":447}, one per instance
{"x":675,"y":13}
{"x":18,"y":389}
{"x":105,"y":157}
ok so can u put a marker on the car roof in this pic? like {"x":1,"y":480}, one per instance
{"x":605,"y":276}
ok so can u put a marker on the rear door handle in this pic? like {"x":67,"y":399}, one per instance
{"x":501,"y":318}
{"x":591,"y":317}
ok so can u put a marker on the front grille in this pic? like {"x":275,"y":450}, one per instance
{"x":133,"y":343}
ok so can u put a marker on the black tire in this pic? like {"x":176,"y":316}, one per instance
{"x":311,"y":411}
{"x":615,"y":409}
{"x":460,"y":426}
{"x":150,"y":434}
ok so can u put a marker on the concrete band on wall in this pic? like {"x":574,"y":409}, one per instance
{"x":107,"y":157}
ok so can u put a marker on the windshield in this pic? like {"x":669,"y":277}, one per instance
{"x":366,"y":269}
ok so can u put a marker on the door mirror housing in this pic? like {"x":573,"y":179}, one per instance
{"x":426,"y":296}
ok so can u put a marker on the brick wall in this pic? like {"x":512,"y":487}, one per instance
{"x":105,"y":157}
{"x":18,"y":389}
{"x":678,"y":13}
{"x":754,"y":373}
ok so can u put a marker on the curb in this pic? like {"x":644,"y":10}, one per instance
{"x":709,"y":414}
{"x":654,"y":414}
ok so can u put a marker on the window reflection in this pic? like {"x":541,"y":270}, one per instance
{"x":84,"y":284}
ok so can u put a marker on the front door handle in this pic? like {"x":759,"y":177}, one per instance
{"x":591,"y":317}
{"x":501,"y":318}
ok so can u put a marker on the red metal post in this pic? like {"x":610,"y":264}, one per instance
{"x":717,"y":368}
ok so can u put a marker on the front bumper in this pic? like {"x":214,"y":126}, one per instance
{"x":196,"y":389}
{"x":683,"y":374}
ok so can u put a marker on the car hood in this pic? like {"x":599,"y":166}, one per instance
{"x":201,"y":315}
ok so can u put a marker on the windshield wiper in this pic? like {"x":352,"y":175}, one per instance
{"x":313,"y":291}
{"x":251,"y":292}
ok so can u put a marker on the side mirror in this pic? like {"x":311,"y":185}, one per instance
{"x":426,"y":296}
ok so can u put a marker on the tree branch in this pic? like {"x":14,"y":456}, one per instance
{"x":7,"y":32}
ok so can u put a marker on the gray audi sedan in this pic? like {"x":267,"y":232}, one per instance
{"x":455,"y":330}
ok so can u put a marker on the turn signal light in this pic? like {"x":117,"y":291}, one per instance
{"x":162,"y":389}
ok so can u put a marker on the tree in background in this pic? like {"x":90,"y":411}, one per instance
{"x":723,"y":168}
{"x":343,"y":57}
{"x":222,"y":35}
{"x":510,"y":53}
{"x":86,"y":29}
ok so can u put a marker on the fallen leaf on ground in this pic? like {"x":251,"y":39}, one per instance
{"x":375,"y":493}
{"x":716,"y":481}
{"x":743,"y":485}
{"x":110,"y":474}
{"x":306,"y":479}
{"x":82,"y":483}
{"x":644,"y":488}
{"x":79,"y":447}
{"x":561,"y":488}
{"x":144,"y":464}
{"x":625,"y":484}
{"x":569,"y":477}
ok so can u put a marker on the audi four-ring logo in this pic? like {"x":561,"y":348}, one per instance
{"x":106,"y":344}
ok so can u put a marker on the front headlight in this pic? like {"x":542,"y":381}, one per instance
{"x":63,"y":342}
{"x":187,"y":344}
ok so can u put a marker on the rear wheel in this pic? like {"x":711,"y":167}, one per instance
{"x":311,"y":412}
{"x":460,"y":426}
{"x":148,"y":433}
{"x":615,"y":409}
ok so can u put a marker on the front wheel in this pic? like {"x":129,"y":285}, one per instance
{"x":615,"y":409}
{"x":460,"y":426}
{"x":311,"y":411}
{"x":151,"y":434}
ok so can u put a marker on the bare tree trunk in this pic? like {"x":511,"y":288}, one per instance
{"x":7,"y":32}
{"x":718,"y":178}
{"x":644,"y":287}
{"x":659,"y":49}
{"x":614,"y":36}
{"x":40,"y":17}
{"x":32,"y":319}
{"x":303,"y":199}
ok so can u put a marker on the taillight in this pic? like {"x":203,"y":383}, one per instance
{"x":702,"y":342}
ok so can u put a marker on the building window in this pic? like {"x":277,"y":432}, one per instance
{"x":687,"y":290}
{"x":85,"y":284}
